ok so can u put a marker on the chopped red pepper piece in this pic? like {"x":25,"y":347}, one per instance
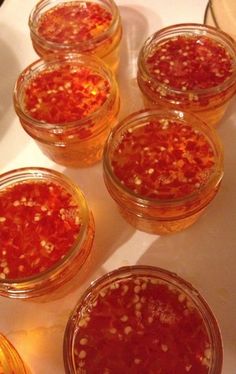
{"x":73,"y":22}
{"x":66,"y":94}
{"x":39,"y":223}
{"x":190,"y":63}
{"x":163,"y":159}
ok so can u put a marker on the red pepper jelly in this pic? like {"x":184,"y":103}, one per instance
{"x":77,"y":26}
{"x":65,"y":94}
{"x":142,"y":319}
{"x":46,"y":231}
{"x":68,"y":105}
{"x":189,"y":67}
{"x":162,"y":168}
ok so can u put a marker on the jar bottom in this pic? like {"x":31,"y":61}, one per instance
{"x":75,"y":154}
{"x":159,"y":227}
{"x":69,"y":152}
{"x":211,"y":115}
{"x":112,"y":59}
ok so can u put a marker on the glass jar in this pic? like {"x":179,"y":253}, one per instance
{"x":92,"y":27}
{"x":162,"y":168}
{"x":47,"y":231}
{"x":10,"y":361}
{"x":68,"y":105}
{"x":141,"y":319}
{"x":189,"y":67}
{"x":222,"y":15}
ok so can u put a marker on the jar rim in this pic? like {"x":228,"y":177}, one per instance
{"x":167,"y":276}
{"x":192,"y":29}
{"x":41,"y":65}
{"x":141,"y":117}
{"x":27,"y":174}
{"x":15,"y":357}
{"x":96,"y":40}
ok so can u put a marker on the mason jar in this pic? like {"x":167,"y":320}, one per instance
{"x":162,"y":168}
{"x":47,"y":232}
{"x":68,"y":105}
{"x":92,"y":27}
{"x":189,"y":67}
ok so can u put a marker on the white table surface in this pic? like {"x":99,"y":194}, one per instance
{"x":204,"y":254}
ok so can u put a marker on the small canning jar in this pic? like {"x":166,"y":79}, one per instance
{"x":142,"y":319}
{"x":189,"y":67}
{"x":46,"y":234}
{"x":162,"y":168}
{"x":81,"y":26}
{"x":68,"y":105}
{"x":10,"y":360}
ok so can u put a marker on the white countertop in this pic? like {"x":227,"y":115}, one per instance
{"x":204,"y":254}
